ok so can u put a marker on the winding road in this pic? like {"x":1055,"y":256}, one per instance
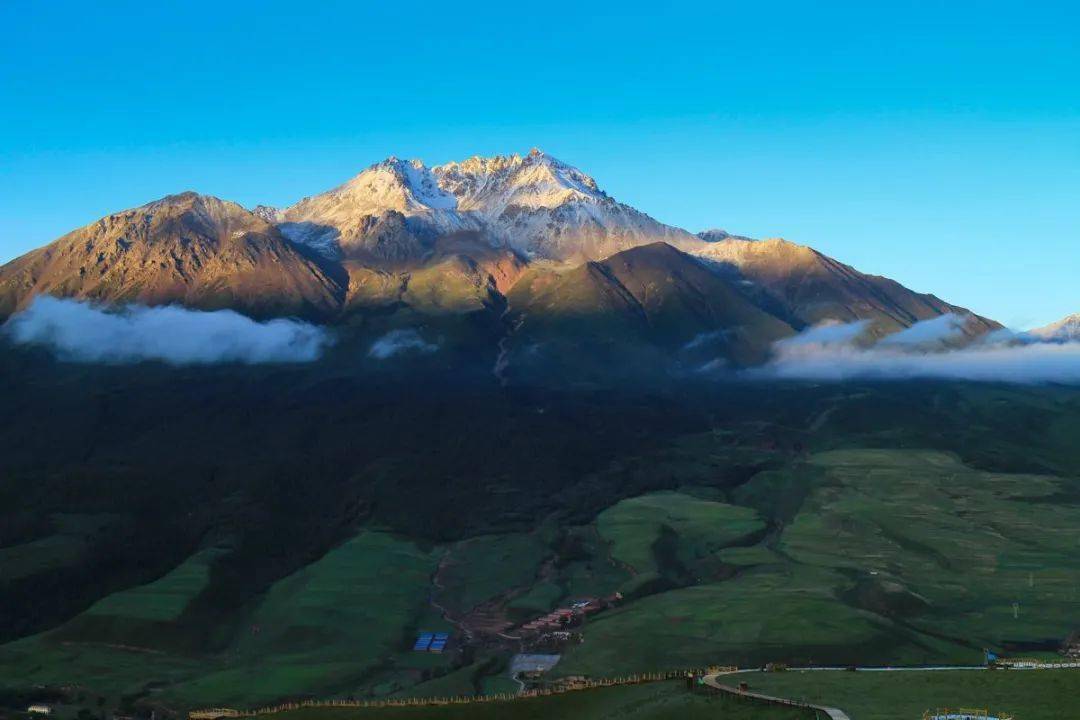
{"x":712,"y":681}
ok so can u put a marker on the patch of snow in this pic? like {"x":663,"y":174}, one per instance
{"x":536,"y":204}
{"x":320,"y":238}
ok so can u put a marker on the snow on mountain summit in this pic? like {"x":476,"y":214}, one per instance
{"x":388,"y":211}
{"x":1066,"y":329}
{"x":535,"y":204}
{"x":490,"y":185}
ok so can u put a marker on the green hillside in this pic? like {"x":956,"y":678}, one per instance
{"x":288,"y":531}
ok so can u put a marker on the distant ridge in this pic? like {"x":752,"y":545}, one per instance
{"x":1065,"y":329}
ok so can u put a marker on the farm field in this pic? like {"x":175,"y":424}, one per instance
{"x":1029,"y":695}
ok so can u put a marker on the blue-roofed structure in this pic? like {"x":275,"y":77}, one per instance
{"x":431,"y":642}
{"x":423,"y":642}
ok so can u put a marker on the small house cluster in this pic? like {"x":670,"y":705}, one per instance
{"x":564,"y":617}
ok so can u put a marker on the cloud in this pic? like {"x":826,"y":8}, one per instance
{"x":997,"y":357}
{"x":399,"y":341}
{"x":826,"y":334}
{"x":81,"y":332}
{"x":944,"y":327}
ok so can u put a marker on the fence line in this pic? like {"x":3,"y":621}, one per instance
{"x":212,"y":713}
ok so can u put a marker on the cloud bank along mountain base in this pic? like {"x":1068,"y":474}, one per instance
{"x":840,"y":351}
{"x":81,"y":332}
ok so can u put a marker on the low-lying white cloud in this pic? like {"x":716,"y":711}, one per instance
{"x":828,"y":333}
{"x":400,"y":341}
{"x":81,"y":332}
{"x":997,"y":357}
{"x":944,"y":327}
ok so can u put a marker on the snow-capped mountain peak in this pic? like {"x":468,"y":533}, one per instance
{"x":490,"y":185}
{"x":1066,"y":329}
{"x":714,"y":235}
{"x":536,"y":204}
{"x":544,"y":207}
{"x":391,"y":210}
{"x":407,"y":186}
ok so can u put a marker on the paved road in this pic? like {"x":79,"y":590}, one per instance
{"x":837,"y":714}
{"x":713,"y":682}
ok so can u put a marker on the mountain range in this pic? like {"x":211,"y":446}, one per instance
{"x":555,"y":424}
{"x":527,"y":240}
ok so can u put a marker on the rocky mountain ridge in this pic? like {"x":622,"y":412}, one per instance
{"x":403,"y":240}
{"x":535,"y":205}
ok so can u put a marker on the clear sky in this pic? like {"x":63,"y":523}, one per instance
{"x":937,"y":143}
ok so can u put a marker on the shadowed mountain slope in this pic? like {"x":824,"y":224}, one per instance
{"x":651,"y":293}
{"x":811,"y":287}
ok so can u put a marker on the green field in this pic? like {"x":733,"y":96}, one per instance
{"x":873,"y":557}
{"x":879,"y":557}
{"x":481,"y":568}
{"x":651,"y":701}
{"x":1027,"y":694}
{"x":162,"y":600}
{"x":346,"y":620}
{"x":650,"y":532}
{"x":249,"y":560}
{"x":766,"y":614}
{"x":65,"y":547}
{"x":944,"y":547}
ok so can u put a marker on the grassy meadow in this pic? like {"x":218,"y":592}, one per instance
{"x":1028,"y":695}
{"x":799,"y":525}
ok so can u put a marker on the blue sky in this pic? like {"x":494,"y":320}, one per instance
{"x":934,"y":142}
